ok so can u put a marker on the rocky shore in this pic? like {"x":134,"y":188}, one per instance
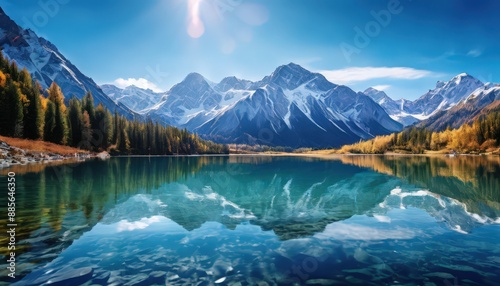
{"x":11,"y":156}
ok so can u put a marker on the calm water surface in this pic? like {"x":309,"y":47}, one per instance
{"x":241,"y":220}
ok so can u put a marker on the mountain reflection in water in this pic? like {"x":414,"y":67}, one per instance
{"x":287,"y":208}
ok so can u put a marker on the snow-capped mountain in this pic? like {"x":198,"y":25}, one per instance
{"x":46,"y":64}
{"x":443,"y":97}
{"x":291,"y":107}
{"x":479,"y":102}
{"x":132,"y":96}
{"x":395,"y":108}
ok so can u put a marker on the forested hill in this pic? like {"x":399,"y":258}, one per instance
{"x":27,"y":111}
{"x":482,"y":135}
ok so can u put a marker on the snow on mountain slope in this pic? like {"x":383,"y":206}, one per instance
{"x":291,"y":107}
{"x":443,"y":97}
{"x":395,"y":108}
{"x":46,"y":64}
{"x":470,"y":108}
{"x":133,"y":97}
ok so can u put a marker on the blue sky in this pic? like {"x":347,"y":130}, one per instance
{"x":401,"y":46}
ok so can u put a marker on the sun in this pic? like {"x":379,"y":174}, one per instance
{"x":195,"y":28}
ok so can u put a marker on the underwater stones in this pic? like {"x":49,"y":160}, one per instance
{"x":158,"y":274}
{"x":101,"y":278}
{"x":354,"y":280}
{"x":185,"y":271}
{"x":363,"y":272}
{"x":364,"y":257}
{"x":69,"y":277}
{"x":442,"y":275}
{"x":136,"y":266}
{"x":322,"y":282}
{"x":220,"y":280}
{"x":136,"y":279}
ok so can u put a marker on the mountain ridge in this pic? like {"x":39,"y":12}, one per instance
{"x":46,"y":64}
{"x":290,"y":107}
{"x":444,"y":96}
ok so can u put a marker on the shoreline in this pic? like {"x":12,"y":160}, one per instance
{"x":45,"y":152}
{"x":17,"y":152}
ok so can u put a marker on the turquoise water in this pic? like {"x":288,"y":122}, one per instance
{"x":241,"y":220}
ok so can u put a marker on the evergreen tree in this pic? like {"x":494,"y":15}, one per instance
{"x":114,"y":138}
{"x":48,"y":128}
{"x":86,"y":132}
{"x":104,"y":127}
{"x":75,"y":122}
{"x":88,"y":105}
{"x":11,"y":110}
{"x":33,"y":117}
{"x":123,"y":143}
{"x":60,"y":125}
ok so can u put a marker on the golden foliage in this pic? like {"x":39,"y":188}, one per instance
{"x":3,"y":79}
{"x":40,"y":146}
{"x":378,"y":145}
{"x":482,"y":135}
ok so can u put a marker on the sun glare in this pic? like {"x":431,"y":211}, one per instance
{"x":195,"y":28}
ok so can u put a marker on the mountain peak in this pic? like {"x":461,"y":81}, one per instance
{"x":194,"y":76}
{"x":464,"y":79}
{"x":371,"y":89}
{"x":289,"y":76}
{"x":290,"y":68}
{"x":2,"y":13}
{"x":47,"y":65}
{"x":462,"y":75}
{"x":232,"y":82}
{"x":378,"y":96}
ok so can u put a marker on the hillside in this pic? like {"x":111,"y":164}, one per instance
{"x":480,"y":136}
{"x":26,"y":113}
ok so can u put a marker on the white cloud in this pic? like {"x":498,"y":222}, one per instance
{"x":356,"y":74}
{"x":139,"y":82}
{"x":381,"y":87}
{"x":141,"y":224}
{"x":344,"y":231}
{"x":474,"y":53}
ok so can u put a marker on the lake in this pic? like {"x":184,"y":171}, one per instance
{"x":258,"y":220}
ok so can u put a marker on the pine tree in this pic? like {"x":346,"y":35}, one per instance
{"x":33,"y":116}
{"x":114,"y":138}
{"x":75,"y":122}
{"x":49,"y":122}
{"x":60,"y":125}
{"x":104,"y":127}
{"x":86,"y":132}
{"x":123,"y":143}
{"x":11,"y":110}
{"x":88,"y":105}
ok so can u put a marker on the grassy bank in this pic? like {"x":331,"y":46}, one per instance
{"x":38,"y":146}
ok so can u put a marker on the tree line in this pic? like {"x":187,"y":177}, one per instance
{"x":483,"y":134}
{"x":27,"y":111}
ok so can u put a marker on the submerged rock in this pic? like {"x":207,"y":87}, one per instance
{"x":442,"y":275}
{"x":322,"y":282}
{"x":364,"y":257}
{"x":67,"y":277}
